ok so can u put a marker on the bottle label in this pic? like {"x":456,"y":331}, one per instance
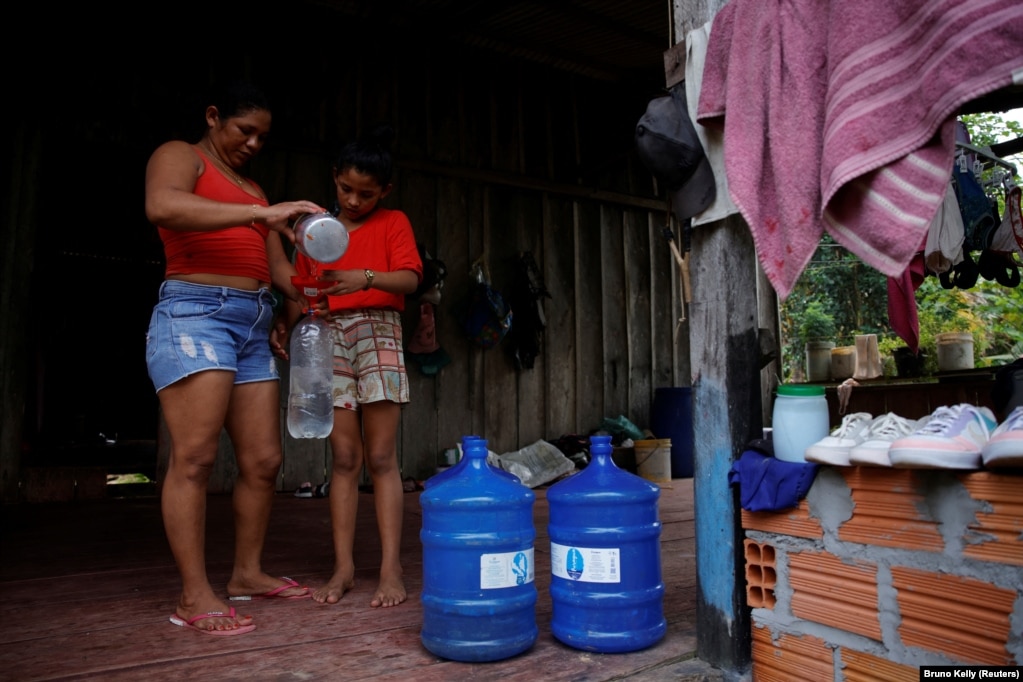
{"x":586,"y":565}
{"x":508,"y":569}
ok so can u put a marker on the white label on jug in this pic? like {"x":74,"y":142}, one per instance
{"x":586,"y":565}
{"x":509,"y":569}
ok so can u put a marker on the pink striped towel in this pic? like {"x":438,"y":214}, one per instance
{"x":839,"y":116}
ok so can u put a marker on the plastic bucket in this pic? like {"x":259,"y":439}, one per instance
{"x":955,"y":351}
{"x":843,"y":362}
{"x":818,"y":360}
{"x":653,"y":459}
{"x":799,"y":419}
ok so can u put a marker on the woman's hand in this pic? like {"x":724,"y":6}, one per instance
{"x":279,"y":339}
{"x":278,"y":216}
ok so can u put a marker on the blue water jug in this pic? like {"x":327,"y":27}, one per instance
{"x":606,"y":588}
{"x":460,"y":464}
{"x":479,"y":594}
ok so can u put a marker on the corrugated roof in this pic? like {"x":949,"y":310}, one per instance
{"x":603,"y":39}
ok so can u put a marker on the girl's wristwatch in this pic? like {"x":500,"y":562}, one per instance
{"x":369,"y":279}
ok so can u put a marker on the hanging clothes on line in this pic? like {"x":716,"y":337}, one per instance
{"x":946,"y":251}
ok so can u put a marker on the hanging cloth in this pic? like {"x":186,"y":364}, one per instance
{"x":944,"y":246}
{"x":978,"y":221}
{"x":902,"y":315}
{"x":1009,"y":235}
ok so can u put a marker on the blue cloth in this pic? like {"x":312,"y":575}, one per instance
{"x":769,"y":484}
{"x":975,"y":208}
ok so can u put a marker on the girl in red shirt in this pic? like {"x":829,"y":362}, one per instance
{"x":379,"y":268}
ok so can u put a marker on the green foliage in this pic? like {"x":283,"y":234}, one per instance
{"x":988,"y":128}
{"x":837,"y":285}
{"x":815,"y":324}
{"x":840,"y":288}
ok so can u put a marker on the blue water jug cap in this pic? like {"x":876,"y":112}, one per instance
{"x":800,"y":390}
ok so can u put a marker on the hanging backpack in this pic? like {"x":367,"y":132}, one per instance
{"x":526,"y":297}
{"x":487,"y":318}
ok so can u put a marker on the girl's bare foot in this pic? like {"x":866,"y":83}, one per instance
{"x":391,"y":590}
{"x":339,"y":583}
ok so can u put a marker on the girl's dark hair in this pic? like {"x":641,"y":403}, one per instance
{"x":238,"y":98}
{"x":370,"y":154}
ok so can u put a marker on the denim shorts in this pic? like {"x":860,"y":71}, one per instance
{"x":196,"y":327}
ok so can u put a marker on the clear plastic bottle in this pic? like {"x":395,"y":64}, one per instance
{"x":310,"y":396}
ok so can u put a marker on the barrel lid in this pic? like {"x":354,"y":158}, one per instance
{"x":800,"y":390}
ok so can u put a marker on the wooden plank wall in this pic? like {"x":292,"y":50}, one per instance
{"x":494,"y":159}
{"x":495,"y":156}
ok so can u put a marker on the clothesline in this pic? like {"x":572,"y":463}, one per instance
{"x":988,"y":155}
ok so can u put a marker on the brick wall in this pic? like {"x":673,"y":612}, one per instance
{"x":880,"y":571}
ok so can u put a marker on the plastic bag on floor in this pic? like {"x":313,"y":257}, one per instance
{"x":535,"y":464}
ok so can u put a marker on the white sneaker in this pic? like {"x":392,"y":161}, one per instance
{"x":951,"y":439}
{"x":878,"y":438}
{"x":834,"y":449}
{"x":1005,"y":448}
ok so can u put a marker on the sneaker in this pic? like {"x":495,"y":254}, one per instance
{"x":1005,"y":448}
{"x":951,"y":439}
{"x":878,"y":438}
{"x":834,"y":449}
{"x":304,"y":490}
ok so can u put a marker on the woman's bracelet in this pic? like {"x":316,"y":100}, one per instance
{"x":253,"y":222}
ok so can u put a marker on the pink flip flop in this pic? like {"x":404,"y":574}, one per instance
{"x":276,"y":592}
{"x":191,"y":623}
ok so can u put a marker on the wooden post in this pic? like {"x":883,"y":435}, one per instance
{"x":725,"y":352}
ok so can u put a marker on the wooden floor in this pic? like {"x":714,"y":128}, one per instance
{"x":86,"y":589}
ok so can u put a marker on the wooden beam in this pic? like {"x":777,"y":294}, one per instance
{"x":525,"y":182}
{"x":675,"y":65}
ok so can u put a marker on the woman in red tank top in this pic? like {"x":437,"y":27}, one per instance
{"x":209,"y":349}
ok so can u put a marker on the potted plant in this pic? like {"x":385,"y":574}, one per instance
{"x":816,"y":329}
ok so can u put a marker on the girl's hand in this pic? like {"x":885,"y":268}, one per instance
{"x":348,"y":281}
{"x":321,"y":308}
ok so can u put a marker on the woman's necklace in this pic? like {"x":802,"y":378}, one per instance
{"x":212,"y":155}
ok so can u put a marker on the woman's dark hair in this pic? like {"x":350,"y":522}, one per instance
{"x":370,"y":154}
{"x":238,"y":98}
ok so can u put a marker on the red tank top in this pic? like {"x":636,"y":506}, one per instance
{"x":239,"y":251}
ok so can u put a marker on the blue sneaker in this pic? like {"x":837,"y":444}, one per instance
{"x":952,"y":438}
{"x":1005,"y":448}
